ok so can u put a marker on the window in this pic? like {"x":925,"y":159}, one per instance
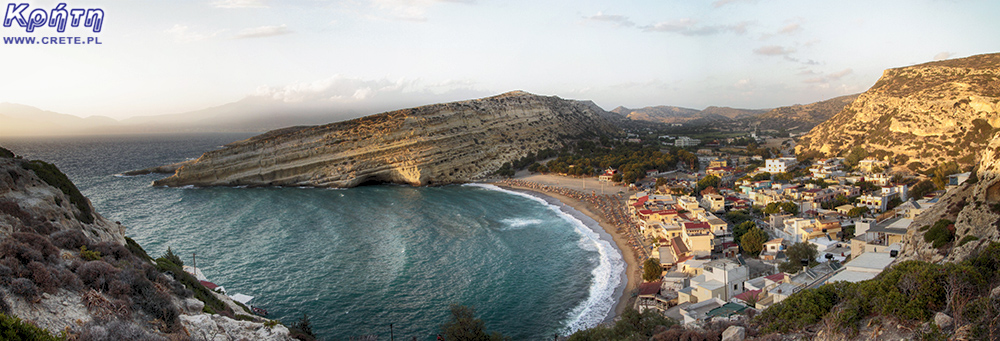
{"x":735,"y":287}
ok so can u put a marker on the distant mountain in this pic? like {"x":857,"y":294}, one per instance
{"x":919,"y":115}
{"x":251,"y":114}
{"x":799,"y":117}
{"x":23,"y":120}
{"x":686,"y":116}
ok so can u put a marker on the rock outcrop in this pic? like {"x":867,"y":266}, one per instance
{"x":694,"y":117}
{"x":65,"y":268}
{"x":974,"y":208}
{"x":26,"y":198}
{"x":429,"y":145}
{"x":919,"y":115}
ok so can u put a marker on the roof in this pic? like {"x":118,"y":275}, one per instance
{"x":852,"y":276}
{"x":209,"y":285}
{"x":727,"y":309}
{"x":695,"y":226}
{"x":245,"y":299}
{"x":775,"y":241}
{"x":651,"y":288}
{"x":870,"y":261}
{"x":778,"y":277}
{"x":712,"y":285}
{"x":679,"y":246}
{"x":746,"y":295}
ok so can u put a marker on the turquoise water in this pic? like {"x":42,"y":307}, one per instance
{"x":357,"y":260}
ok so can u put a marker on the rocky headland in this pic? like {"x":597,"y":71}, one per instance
{"x":429,"y":145}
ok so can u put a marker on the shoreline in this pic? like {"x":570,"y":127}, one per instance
{"x":632,"y":268}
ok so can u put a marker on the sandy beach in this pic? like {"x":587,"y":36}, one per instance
{"x":621,"y":240}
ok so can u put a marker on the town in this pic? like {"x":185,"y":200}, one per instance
{"x":743,"y":232}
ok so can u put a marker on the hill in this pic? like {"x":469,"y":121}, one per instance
{"x":686,"y":116}
{"x":429,"y":145}
{"x":918,"y":116}
{"x":799,"y":117}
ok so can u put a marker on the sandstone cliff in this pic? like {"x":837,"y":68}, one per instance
{"x":973,"y":207}
{"x":67,"y":269}
{"x":923,"y":114}
{"x":429,"y":145}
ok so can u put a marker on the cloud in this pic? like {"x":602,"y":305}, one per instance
{"x":183,"y":34}
{"x":829,"y":77}
{"x":720,"y":3}
{"x":241,"y":4}
{"x":943,"y":55}
{"x":791,"y":28}
{"x":409,"y":10}
{"x":773,"y":50}
{"x":690,"y":27}
{"x":263,"y":31}
{"x":615,"y":19}
{"x":382,"y":93}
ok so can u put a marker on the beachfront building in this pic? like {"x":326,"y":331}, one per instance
{"x":869,"y":165}
{"x":719,"y":279}
{"x":607,"y":175}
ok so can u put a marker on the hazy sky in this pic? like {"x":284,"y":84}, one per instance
{"x":161,"y":57}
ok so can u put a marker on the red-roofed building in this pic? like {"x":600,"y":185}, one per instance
{"x":750,"y":297}
{"x":650,"y":289}
{"x":209,"y":285}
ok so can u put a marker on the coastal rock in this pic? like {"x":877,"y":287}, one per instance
{"x":918,"y":116}
{"x":430,"y":145}
{"x":734,"y":333}
{"x":191,"y":306}
{"x":215,"y":327}
{"x":165,"y":169}
{"x":28,"y":201}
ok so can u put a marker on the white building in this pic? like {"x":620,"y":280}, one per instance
{"x":685,"y":141}
{"x":779,"y":165}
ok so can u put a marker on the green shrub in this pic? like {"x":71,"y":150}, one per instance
{"x":88,"y":254}
{"x":940,"y":234}
{"x":136,"y":249}
{"x":967,"y":239}
{"x":12,"y":328}
{"x":55,"y":178}
{"x":6,"y":153}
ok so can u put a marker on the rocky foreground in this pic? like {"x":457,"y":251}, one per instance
{"x":66,"y":269}
{"x":430,"y":145}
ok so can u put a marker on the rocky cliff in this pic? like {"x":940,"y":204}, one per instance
{"x":922,"y":115}
{"x":429,"y":145}
{"x":973,"y":207}
{"x":66,"y":269}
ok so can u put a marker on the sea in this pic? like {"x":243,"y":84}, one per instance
{"x":382,"y":260}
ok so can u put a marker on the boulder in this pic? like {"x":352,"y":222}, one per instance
{"x":943,"y":321}
{"x":734,"y":333}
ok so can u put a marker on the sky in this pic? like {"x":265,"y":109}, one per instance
{"x":162,"y":57}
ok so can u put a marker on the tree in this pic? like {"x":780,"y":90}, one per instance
{"x":651,"y":270}
{"x":783,"y":177}
{"x":921,"y":188}
{"x":753,"y":241}
{"x":858,"y":211}
{"x":772,"y":208}
{"x":743,"y":228}
{"x":796,"y":254}
{"x":706,"y":182}
{"x":762,"y":176}
{"x":790,"y":208}
{"x":632,"y":325}
{"x":737,"y":217}
{"x":465,"y":326}
{"x":661,"y":182}
{"x":304,"y":326}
